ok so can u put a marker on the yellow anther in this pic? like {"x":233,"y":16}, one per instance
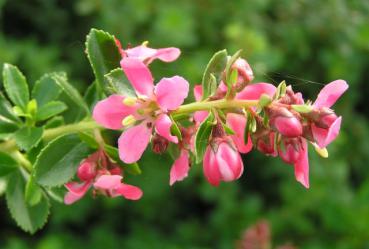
{"x":322,"y":152}
{"x":129,"y":120}
{"x":145,"y":43}
{"x":129,"y":101}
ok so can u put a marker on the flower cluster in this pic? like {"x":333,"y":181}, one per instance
{"x":235,"y":117}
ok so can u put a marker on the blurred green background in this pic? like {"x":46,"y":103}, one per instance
{"x":306,"y":42}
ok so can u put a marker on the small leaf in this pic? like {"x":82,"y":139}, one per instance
{"x":28,"y":137}
{"x":50,"y":109}
{"x":32,"y":107}
{"x":202,"y":137}
{"x":302,"y":108}
{"x":9,"y":122}
{"x":264,"y":100}
{"x":58,"y":161}
{"x":247,"y":127}
{"x":33,"y":192}
{"x":7,"y":164}
{"x":46,"y":89}
{"x":15,"y":85}
{"x":228,"y":129}
{"x":89,"y":140}
{"x":103,"y":55}
{"x":281,"y":90}
{"x":117,"y":82}
{"x":213,"y":73}
{"x":174,"y":129}
{"x":29,"y":218}
{"x":113,"y":153}
{"x":62,"y":81}
{"x":230,"y":63}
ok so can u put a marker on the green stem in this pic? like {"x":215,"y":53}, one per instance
{"x":219,"y":104}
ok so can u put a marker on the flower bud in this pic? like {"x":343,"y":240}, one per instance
{"x":265,"y":144}
{"x":159,"y":144}
{"x":283,"y":121}
{"x":291,"y":150}
{"x":86,"y":171}
{"x":245,"y":74}
{"x":222,"y":162}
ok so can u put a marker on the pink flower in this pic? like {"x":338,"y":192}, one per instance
{"x":284,"y":121}
{"x":105,"y":177}
{"x":245,"y":74}
{"x":149,"y":109}
{"x":222,"y":162}
{"x":328,"y":125}
{"x":148,"y":55}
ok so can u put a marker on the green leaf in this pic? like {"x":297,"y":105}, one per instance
{"x":247,"y":127}
{"x":264,"y":100}
{"x":15,"y":85}
{"x":46,"y":89}
{"x":302,"y":108}
{"x":33,"y":192}
{"x":229,"y":65}
{"x":281,"y":90}
{"x":28,"y":137}
{"x":50,"y":109}
{"x":228,"y":129}
{"x":103,"y":54}
{"x":213,"y":73}
{"x":117,"y":82}
{"x":29,"y":218}
{"x":54,"y":122}
{"x":89,"y":140}
{"x":62,"y":81}
{"x":113,"y":153}
{"x":91,"y":96}
{"x":174,"y":129}
{"x":202,"y":137}
{"x":9,"y":122}
{"x":58,"y":161}
{"x":7,"y":164}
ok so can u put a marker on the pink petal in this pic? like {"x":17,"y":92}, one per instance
{"x":180,"y":168}
{"x":167,"y":54}
{"x":111,"y":111}
{"x":302,"y":166}
{"x":129,"y":192}
{"x":197,"y":91}
{"x":200,"y":116}
{"x":133,"y":142}
{"x":162,"y":127}
{"x":141,"y":52}
{"x":254,"y":91}
{"x":237,"y":123}
{"x":330,"y":93}
{"x":229,"y":162}
{"x":108,"y":182}
{"x":324,"y":137}
{"x":211,"y":169}
{"x":75,"y":191}
{"x":171,"y":92}
{"x":139,"y":76}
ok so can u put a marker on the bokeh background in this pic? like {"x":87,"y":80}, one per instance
{"x":306,"y":42}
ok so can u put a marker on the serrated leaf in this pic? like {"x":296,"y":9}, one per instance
{"x":62,"y":81}
{"x":113,"y":153}
{"x":29,"y":218}
{"x":50,"y":109}
{"x":302,"y":108}
{"x":202,"y":137}
{"x":28,"y":137}
{"x":213,"y":73}
{"x":15,"y":85}
{"x":117,"y":82}
{"x":102,"y":53}
{"x":58,"y":161}
{"x":33,"y":192}
{"x":46,"y":89}
{"x":7,"y":164}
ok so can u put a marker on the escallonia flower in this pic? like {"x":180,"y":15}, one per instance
{"x":148,"y":55}
{"x":104,"y":176}
{"x":140,"y":115}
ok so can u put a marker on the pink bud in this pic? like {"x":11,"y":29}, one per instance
{"x":283,"y":121}
{"x":292,"y":150}
{"x":245,"y":74}
{"x":265,"y":144}
{"x":222,"y":162}
{"x":86,"y":171}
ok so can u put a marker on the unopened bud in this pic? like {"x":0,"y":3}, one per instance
{"x":129,"y":101}
{"x":285,"y":122}
{"x":129,"y":120}
{"x":86,"y":171}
